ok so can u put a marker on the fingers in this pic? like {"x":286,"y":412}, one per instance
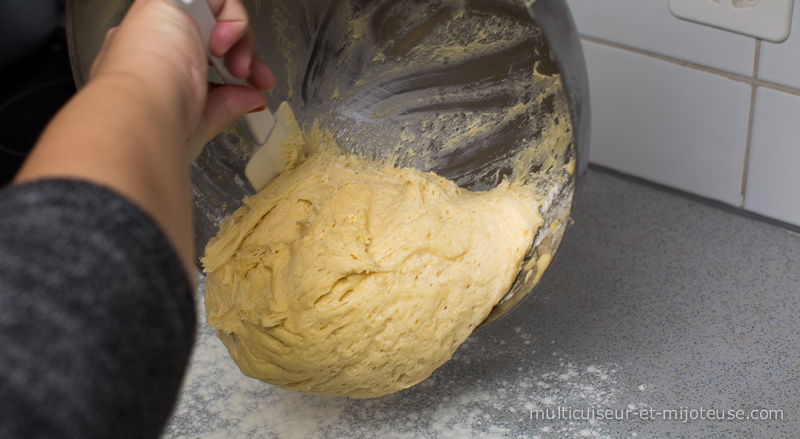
{"x":243,"y":62}
{"x":232,"y":25}
{"x":227,"y":34}
{"x":261,"y":77}
{"x":224,"y":105}
{"x":233,"y":40}
{"x":239,"y":57}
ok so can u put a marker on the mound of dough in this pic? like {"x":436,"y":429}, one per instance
{"x":348,"y":278}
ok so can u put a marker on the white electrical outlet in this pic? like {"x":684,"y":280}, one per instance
{"x":769,"y":20}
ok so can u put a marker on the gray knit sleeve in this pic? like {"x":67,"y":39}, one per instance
{"x":96,"y":315}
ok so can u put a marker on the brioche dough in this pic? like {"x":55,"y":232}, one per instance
{"x":344,"y":277}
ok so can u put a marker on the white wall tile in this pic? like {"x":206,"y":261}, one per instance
{"x":669,"y":124}
{"x":780,"y":63}
{"x":773,"y":176}
{"x":648,"y":25}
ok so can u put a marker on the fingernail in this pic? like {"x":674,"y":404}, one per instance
{"x":258,"y":109}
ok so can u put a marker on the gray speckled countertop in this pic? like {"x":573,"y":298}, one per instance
{"x":654,"y":303}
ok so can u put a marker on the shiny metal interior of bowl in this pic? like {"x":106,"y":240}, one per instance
{"x":468,"y":89}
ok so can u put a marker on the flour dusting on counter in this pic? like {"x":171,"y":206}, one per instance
{"x":486,"y":391}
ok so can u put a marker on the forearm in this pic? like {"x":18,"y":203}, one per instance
{"x":129,"y":129}
{"x":120,"y":132}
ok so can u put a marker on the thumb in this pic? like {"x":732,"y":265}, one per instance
{"x":225,"y":104}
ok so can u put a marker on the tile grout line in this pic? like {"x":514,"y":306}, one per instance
{"x":688,"y":64}
{"x":750,"y":119}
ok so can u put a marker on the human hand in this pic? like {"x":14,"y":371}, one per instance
{"x":160,"y":47}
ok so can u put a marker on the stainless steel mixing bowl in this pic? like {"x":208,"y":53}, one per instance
{"x":473,"y":90}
